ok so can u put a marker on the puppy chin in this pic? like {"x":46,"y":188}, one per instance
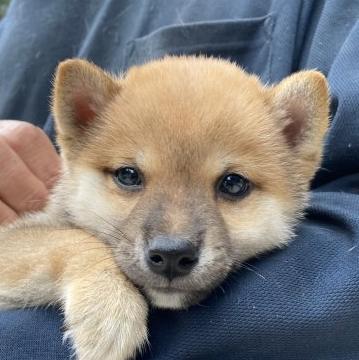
{"x":172,"y":300}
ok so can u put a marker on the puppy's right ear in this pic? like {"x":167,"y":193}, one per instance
{"x":81,"y":92}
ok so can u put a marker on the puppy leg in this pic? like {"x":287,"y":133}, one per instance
{"x":105,"y":314}
{"x":27,"y":268}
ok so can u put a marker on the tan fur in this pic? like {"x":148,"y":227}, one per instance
{"x":184,"y":122}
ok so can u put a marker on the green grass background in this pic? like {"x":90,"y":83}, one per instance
{"x":3,"y":6}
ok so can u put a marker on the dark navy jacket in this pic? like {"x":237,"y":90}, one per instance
{"x":298,"y":303}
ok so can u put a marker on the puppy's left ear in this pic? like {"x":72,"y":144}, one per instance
{"x":301,"y":105}
{"x":81,"y":92}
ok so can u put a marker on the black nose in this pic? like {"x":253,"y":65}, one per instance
{"x":171,"y":257}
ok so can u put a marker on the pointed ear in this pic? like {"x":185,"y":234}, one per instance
{"x":81,"y":92}
{"x":301,"y":103}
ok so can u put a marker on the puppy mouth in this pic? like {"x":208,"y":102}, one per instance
{"x":167,"y":290}
{"x":179,"y":293}
{"x":171,"y":290}
{"x":173,"y":298}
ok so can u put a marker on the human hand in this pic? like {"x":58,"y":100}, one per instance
{"x":29,"y":167}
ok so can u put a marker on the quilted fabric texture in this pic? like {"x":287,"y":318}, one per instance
{"x":298,"y":303}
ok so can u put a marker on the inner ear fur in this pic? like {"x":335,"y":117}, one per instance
{"x":81,"y":92}
{"x":301,"y":105}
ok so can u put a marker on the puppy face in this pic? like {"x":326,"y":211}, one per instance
{"x":187,"y":166}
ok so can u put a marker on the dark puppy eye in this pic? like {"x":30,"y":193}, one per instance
{"x":128,"y":177}
{"x":233,"y":186}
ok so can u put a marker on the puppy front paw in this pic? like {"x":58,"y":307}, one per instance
{"x":105,"y":323}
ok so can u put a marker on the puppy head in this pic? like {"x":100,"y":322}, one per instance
{"x":187,"y":166}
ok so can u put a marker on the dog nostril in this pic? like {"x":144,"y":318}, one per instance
{"x":156,"y":259}
{"x":187,"y":262}
{"x":171,"y":257}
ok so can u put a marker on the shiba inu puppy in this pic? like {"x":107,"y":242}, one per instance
{"x":172,"y":176}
